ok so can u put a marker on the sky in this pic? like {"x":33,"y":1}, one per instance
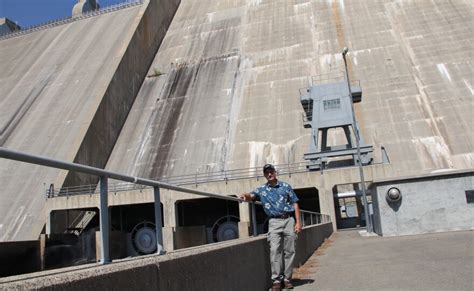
{"x":31,"y":12}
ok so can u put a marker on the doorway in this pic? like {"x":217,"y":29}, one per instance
{"x":349,"y":207}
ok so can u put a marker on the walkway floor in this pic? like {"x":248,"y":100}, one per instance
{"x":348,"y":261}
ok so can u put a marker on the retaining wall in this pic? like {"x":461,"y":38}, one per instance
{"x":234,"y":265}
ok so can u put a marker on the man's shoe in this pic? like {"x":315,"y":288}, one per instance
{"x":276,"y":286}
{"x":287,"y":284}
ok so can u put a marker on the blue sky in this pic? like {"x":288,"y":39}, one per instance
{"x":30,"y":12}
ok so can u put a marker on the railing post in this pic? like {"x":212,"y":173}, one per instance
{"x":302,"y":218}
{"x":311,"y":218}
{"x":254,"y":219}
{"x":158,"y":222}
{"x":104,"y":222}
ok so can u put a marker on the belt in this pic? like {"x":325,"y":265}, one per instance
{"x":283,"y":216}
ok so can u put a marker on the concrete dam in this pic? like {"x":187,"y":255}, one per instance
{"x":168,"y":88}
{"x":228,"y":95}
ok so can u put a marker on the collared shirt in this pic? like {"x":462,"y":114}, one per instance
{"x":276,"y":200}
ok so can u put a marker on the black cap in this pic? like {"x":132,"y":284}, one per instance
{"x":268,"y":167}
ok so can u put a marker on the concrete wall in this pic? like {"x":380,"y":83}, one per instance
{"x":51,"y":83}
{"x":228,"y":97}
{"x":117,"y":245}
{"x":429,"y":204}
{"x":324,"y":182}
{"x":65,"y":92}
{"x":233,"y":265}
{"x":123,"y":88}
{"x":227,"y":93}
{"x":310,"y":240}
{"x":189,"y":236}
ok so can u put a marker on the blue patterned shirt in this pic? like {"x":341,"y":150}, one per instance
{"x":276,"y":200}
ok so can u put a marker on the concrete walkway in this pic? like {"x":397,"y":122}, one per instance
{"x":348,"y":261}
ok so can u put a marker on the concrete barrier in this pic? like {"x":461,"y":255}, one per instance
{"x":429,"y":203}
{"x":233,"y":265}
{"x":310,"y":240}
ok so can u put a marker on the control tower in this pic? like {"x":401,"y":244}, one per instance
{"x":327,"y":105}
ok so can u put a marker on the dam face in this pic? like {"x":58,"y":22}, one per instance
{"x":222,"y":93}
{"x":66,"y":90}
{"x":227,"y":96}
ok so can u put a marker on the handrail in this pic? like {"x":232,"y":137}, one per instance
{"x":236,"y":174}
{"x":318,"y":218}
{"x":103,"y":184}
{"x":45,"y":161}
{"x":103,"y":201}
{"x":189,"y":179}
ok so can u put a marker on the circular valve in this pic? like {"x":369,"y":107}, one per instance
{"x":225,"y":228}
{"x":227,"y":231}
{"x":144,"y":238}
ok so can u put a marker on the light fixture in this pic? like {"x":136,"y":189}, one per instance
{"x":393,"y":195}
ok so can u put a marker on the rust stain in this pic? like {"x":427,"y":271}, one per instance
{"x":178,"y":91}
{"x":341,"y":37}
{"x":311,"y":265}
{"x":178,"y":84}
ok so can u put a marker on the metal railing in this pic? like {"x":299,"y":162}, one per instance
{"x":103,"y":187}
{"x":190,"y":179}
{"x":68,"y":19}
{"x":328,"y":78}
{"x":310,"y":218}
{"x":180,"y":180}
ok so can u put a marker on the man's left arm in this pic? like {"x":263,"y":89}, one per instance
{"x":297,"y":217}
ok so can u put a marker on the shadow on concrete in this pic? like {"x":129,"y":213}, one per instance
{"x":395,"y":205}
{"x":300,"y":282}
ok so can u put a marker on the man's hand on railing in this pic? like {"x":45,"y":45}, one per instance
{"x":245,"y":196}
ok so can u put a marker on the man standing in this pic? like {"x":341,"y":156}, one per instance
{"x":280,"y":203}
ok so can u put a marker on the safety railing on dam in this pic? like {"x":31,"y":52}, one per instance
{"x":68,"y":19}
{"x":179,"y":180}
{"x":104,"y":176}
{"x":197,"y":178}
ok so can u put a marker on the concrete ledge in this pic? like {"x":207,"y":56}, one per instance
{"x":234,"y":265}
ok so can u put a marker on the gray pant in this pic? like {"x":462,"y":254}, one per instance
{"x":281,"y":237}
